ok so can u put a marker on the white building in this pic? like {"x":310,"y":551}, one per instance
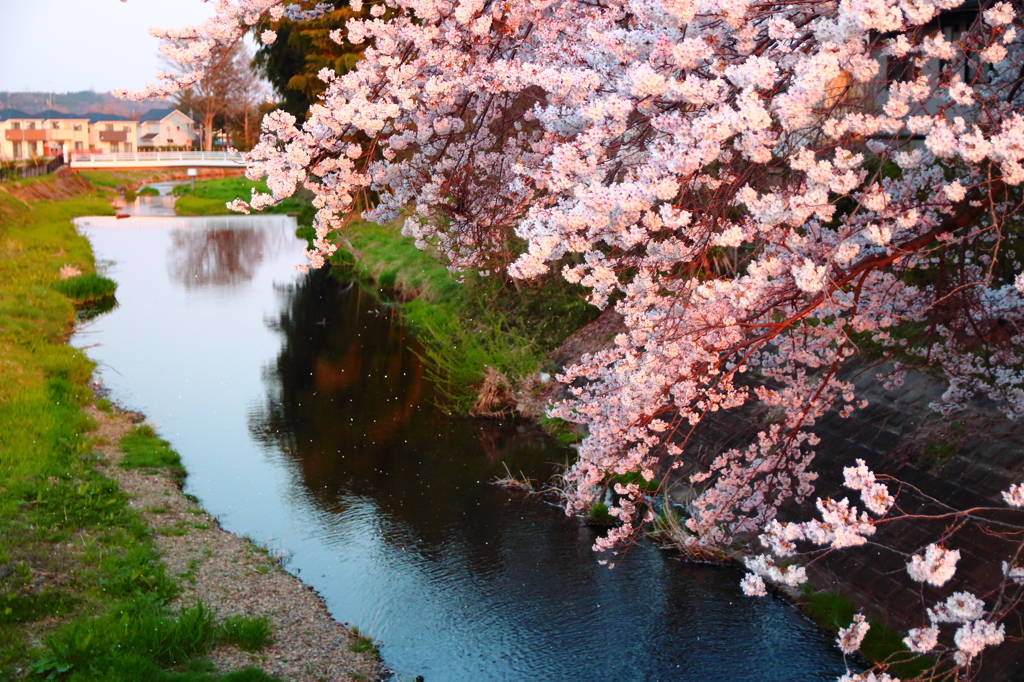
{"x":160,"y":128}
{"x":112,"y":133}
{"x":23,"y":135}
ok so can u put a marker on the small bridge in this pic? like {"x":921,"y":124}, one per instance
{"x":157,"y":160}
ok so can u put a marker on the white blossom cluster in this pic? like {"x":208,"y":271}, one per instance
{"x":936,"y":567}
{"x":850,"y":637}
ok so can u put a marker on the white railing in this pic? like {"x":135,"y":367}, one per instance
{"x":153,"y":159}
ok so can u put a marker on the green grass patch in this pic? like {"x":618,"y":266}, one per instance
{"x":210,"y":196}
{"x":134,"y":642}
{"x":248,"y":634}
{"x":27,"y":607}
{"x":114,"y":179}
{"x":882,"y":644}
{"x":466,"y":326}
{"x":361,"y":644}
{"x":599,"y":516}
{"x":144,"y":450}
{"x":635,"y":477}
{"x":148,"y":192}
{"x":88,"y":287}
{"x":936,"y":454}
{"x":563,"y":432}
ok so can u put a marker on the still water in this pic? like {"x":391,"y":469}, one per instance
{"x":304,"y":418}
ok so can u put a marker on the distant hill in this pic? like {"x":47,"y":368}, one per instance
{"x":83,"y":102}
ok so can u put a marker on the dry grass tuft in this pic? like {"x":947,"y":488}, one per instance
{"x":495,"y":397}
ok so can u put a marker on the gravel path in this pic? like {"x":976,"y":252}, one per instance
{"x":233,"y":576}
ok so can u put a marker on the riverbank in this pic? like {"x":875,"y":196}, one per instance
{"x":108,"y":570}
{"x":234,"y":578}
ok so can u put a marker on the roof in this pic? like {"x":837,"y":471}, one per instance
{"x":8,"y":114}
{"x":54,"y":114}
{"x":96,"y":118}
{"x":149,"y":138}
{"x":159,"y":115}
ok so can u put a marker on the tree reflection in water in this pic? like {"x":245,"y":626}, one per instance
{"x":469,"y":581}
{"x":349,"y":404}
{"x":221,"y":255}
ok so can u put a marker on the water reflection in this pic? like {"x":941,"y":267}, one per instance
{"x":464,"y":581}
{"x":350,"y":406}
{"x":216,"y":257}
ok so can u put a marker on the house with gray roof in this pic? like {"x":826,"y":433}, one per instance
{"x":166,"y":128}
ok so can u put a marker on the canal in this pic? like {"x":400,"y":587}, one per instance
{"x":302,"y":412}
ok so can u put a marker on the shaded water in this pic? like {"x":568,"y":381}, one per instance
{"x":304,"y":419}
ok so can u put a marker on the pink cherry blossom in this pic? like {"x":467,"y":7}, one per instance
{"x":733,"y":179}
{"x":936,"y":567}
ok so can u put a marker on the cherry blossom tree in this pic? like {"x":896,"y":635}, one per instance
{"x":760,"y":189}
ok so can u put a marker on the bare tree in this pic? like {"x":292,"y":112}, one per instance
{"x":216,"y":95}
{"x":249,"y":104}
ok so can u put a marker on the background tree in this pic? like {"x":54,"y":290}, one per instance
{"x":229,"y":87}
{"x":249,"y":104}
{"x":292,"y":62}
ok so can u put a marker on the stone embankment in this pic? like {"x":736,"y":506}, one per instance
{"x":962,"y":461}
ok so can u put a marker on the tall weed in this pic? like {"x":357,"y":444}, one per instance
{"x":470,"y":326}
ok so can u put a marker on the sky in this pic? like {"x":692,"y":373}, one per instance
{"x":71,"y":45}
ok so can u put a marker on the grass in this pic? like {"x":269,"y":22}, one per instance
{"x":564,"y":433}
{"x":86,"y":288}
{"x":78,"y":568}
{"x":116,"y":179}
{"x":144,"y":450}
{"x":138,"y":641}
{"x":466,"y":327}
{"x":361,"y":644}
{"x":598,"y":515}
{"x":881,"y":644}
{"x":936,"y":454}
{"x":248,"y":634}
{"x":210,"y":196}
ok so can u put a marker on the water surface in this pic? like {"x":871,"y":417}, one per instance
{"x":305,"y":420}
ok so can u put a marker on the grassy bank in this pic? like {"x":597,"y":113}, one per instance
{"x":209,"y":197}
{"x":82,"y":590}
{"x":484,"y":338}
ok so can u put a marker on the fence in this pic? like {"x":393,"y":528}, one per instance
{"x":154,"y":159}
{"x":8,"y":173}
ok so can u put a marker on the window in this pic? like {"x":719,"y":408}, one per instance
{"x":114,"y":147}
{"x":178,"y":127}
{"x":55,"y":125}
{"x":78,"y":146}
{"x":109,"y":127}
{"x":125,"y":129}
{"x":78,"y":127}
{"x":953,"y":28}
{"x":33,"y":148}
{"x":16,"y":125}
{"x":127,"y":146}
{"x":31,"y":125}
{"x":17,"y":149}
